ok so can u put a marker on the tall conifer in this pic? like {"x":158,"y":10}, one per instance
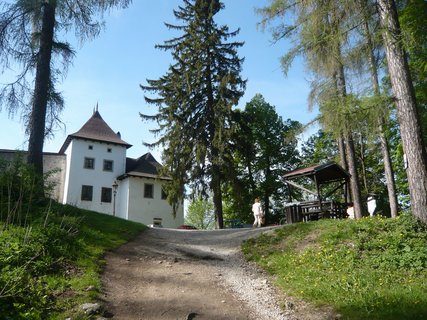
{"x":195,"y":99}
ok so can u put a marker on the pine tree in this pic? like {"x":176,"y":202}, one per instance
{"x":195,"y":99}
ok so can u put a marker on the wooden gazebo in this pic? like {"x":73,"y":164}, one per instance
{"x":322,"y":174}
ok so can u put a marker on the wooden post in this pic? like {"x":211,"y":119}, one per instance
{"x":319,"y":198}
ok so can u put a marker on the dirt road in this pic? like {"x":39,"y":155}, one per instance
{"x":179,"y":274}
{"x":167,"y":274}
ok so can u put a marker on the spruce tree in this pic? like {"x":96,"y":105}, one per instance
{"x":195,"y":99}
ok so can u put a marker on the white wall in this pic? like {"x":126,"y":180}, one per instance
{"x":122,"y":199}
{"x":145,"y":210}
{"x":77,"y":175}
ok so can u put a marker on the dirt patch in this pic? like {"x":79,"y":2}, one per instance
{"x":309,"y":241}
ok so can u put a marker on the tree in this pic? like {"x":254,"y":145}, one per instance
{"x":379,"y":109}
{"x":317,"y":30}
{"x":409,"y":120}
{"x":201,"y":213}
{"x":265,"y":148}
{"x":195,"y":99}
{"x":28,"y":32}
{"x":318,"y":149}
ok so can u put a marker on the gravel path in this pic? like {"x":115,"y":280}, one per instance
{"x":179,"y":274}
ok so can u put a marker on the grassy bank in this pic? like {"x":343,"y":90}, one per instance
{"x":53,"y":264}
{"x":372,"y":268}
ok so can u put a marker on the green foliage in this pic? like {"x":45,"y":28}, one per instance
{"x":412,"y":18}
{"x":201,"y":214}
{"x":401,"y":179}
{"x":46,"y":267}
{"x":265,"y":146}
{"x":195,"y":99}
{"x":27,"y":257}
{"x":18,"y":191}
{"x":376,"y":266}
{"x":319,"y":148}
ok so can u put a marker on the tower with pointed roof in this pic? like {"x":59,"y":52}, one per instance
{"x":95,"y":157}
{"x":99,"y":177}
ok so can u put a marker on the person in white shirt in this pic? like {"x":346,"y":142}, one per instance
{"x":258,"y":213}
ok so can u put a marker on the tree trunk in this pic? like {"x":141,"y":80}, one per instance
{"x":409,"y":122}
{"x":349,"y":149}
{"x":267,"y":189}
{"x":388,"y":168}
{"x":41,"y":90}
{"x":344,"y":165}
{"x":217,"y":196}
{"x":354,"y":180}
{"x":362,"y":164}
{"x":341,"y":149}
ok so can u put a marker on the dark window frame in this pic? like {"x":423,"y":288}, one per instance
{"x":164,"y":195}
{"x":106,"y":168}
{"x":148,"y":192}
{"x":86,"y":193}
{"x":106,"y":194}
{"x":89,"y":163}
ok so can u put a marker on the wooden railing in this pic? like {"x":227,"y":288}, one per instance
{"x":314,"y":210}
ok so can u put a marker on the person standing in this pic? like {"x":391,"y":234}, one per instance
{"x":258,"y":213}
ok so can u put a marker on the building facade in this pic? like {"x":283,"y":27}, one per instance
{"x":91,"y":171}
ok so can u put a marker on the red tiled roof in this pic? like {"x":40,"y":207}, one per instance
{"x":95,"y":129}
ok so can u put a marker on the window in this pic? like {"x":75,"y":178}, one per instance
{"x":164,"y":194}
{"x":148,"y":190}
{"x":90,"y":147}
{"x":87,"y":193}
{"x":109,"y":150}
{"x":106,"y":194}
{"x":157,"y":222}
{"x":108,"y":165}
{"x":89,"y":163}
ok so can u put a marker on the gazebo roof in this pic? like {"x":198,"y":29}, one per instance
{"x":322,"y":173}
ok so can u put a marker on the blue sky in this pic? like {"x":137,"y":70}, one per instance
{"x":109,"y":69}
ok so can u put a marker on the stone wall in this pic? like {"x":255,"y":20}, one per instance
{"x":53,"y":166}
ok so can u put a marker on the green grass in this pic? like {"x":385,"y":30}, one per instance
{"x":46,"y":267}
{"x":372,"y":268}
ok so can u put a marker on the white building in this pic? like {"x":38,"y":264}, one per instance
{"x":95,"y":174}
